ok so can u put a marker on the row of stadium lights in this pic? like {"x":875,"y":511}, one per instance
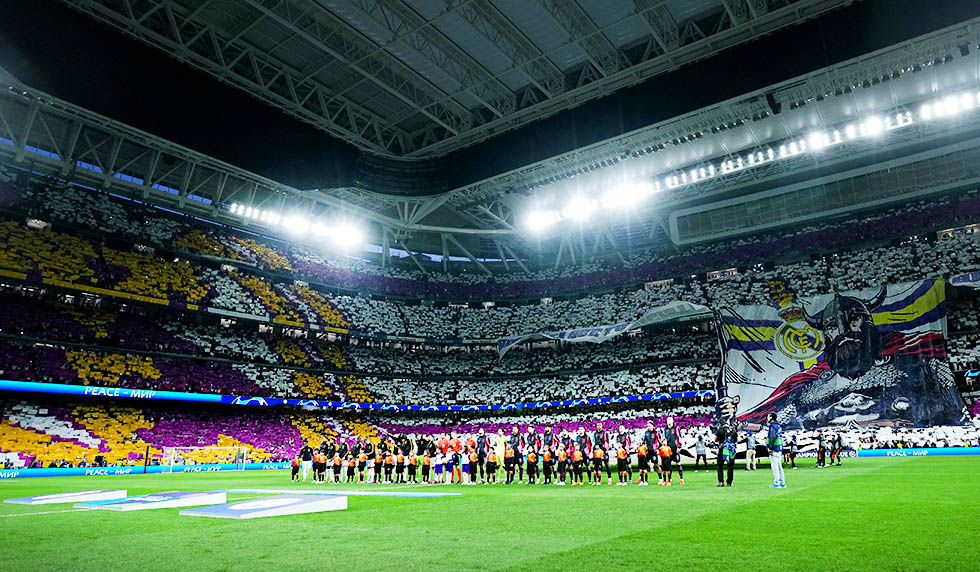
{"x":344,"y":234}
{"x":630,"y":194}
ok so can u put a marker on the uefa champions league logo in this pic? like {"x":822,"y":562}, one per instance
{"x":249,"y":401}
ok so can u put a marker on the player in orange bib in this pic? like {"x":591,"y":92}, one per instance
{"x":548,"y":464}
{"x":598,"y":459}
{"x":426,"y":468}
{"x":622,"y":464}
{"x":389,"y":466}
{"x":361,"y":465}
{"x":492,"y":467}
{"x":474,"y":465}
{"x":319,"y":467}
{"x":532,"y":467}
{"x":400,"y":467}
{"x":666,"y":453}
{"x":578,"y":465}
{"x":378,"y":465}
{"x":509,"y":461}
{"x":413,"y":467}
{"x":643,"y":460}
{"x":562,"y":466}
{"x":351,"y":467}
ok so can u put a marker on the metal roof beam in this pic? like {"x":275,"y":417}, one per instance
{"x":240,"y":65}
{"x":486,"y":19}
{"x":660,"y":22}
{"x":354,"y":51}
{"x":583,"y":31}
{"x":469,"y":255}
{"x":405,"y":24}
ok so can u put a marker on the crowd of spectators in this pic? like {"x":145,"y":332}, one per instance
{"x":100,"y":244}
{"x":450,"y":391}
{"x":856,"y":252}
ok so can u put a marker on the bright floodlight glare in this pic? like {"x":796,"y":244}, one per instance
{"x":296,"y":224}
{"x":952,"y":105}
{"x":538,"y":221}
{"x":925,"y":112}
{"x":579,"y":209}
{"x":627,"y":194}
{"x":874,"y":126}
{"x":347,"y":235}
{"x":817,"y":141}
{"x":234,"y":208}
{"x":318,"y":229}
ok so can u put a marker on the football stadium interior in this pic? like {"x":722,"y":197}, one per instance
{"x":400,"y":274}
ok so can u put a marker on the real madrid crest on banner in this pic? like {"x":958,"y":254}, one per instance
{"x":798,"y":340}
{"x":795,"y":338}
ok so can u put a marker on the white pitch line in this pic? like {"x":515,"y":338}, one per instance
{"x":46,"y":512}
{"x":88,"y":509}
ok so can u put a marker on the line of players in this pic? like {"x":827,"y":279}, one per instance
{"x":565,"y":458}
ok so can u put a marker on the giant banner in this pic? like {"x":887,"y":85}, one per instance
{"x":669,"y":312}
{"x":873,"y":356}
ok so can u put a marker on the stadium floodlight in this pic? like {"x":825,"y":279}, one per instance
{"x":952,"y":105}
{"x":248,"y":212}
{"x":296,"y":224}
{"x":875,"y":125}
{"x":966,"y":101}
{"x":318,"y":229}
{"x":925,"y":112}
{"x":817,"y":140}
{"x":580,"y":208}
{"x":347,"y":235}
{"x":627,"y":195}
{"x":234,"y":208}
{"x":540,"y":220}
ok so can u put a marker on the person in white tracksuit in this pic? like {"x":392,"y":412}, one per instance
{"x":774,"y":443}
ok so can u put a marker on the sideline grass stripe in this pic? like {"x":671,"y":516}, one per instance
{"x":45,"y":512}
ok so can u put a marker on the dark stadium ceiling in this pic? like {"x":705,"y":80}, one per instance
{"x":423,"y":78}
{"x":484,"y":220}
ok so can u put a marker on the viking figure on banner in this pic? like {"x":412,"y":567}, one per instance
{"x":874,"y":357}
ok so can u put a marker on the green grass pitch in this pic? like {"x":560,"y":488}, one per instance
{"x":870,"y":514}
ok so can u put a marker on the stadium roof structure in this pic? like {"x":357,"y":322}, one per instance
{"x":422,"y":78}
{"x":727,"y":169}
